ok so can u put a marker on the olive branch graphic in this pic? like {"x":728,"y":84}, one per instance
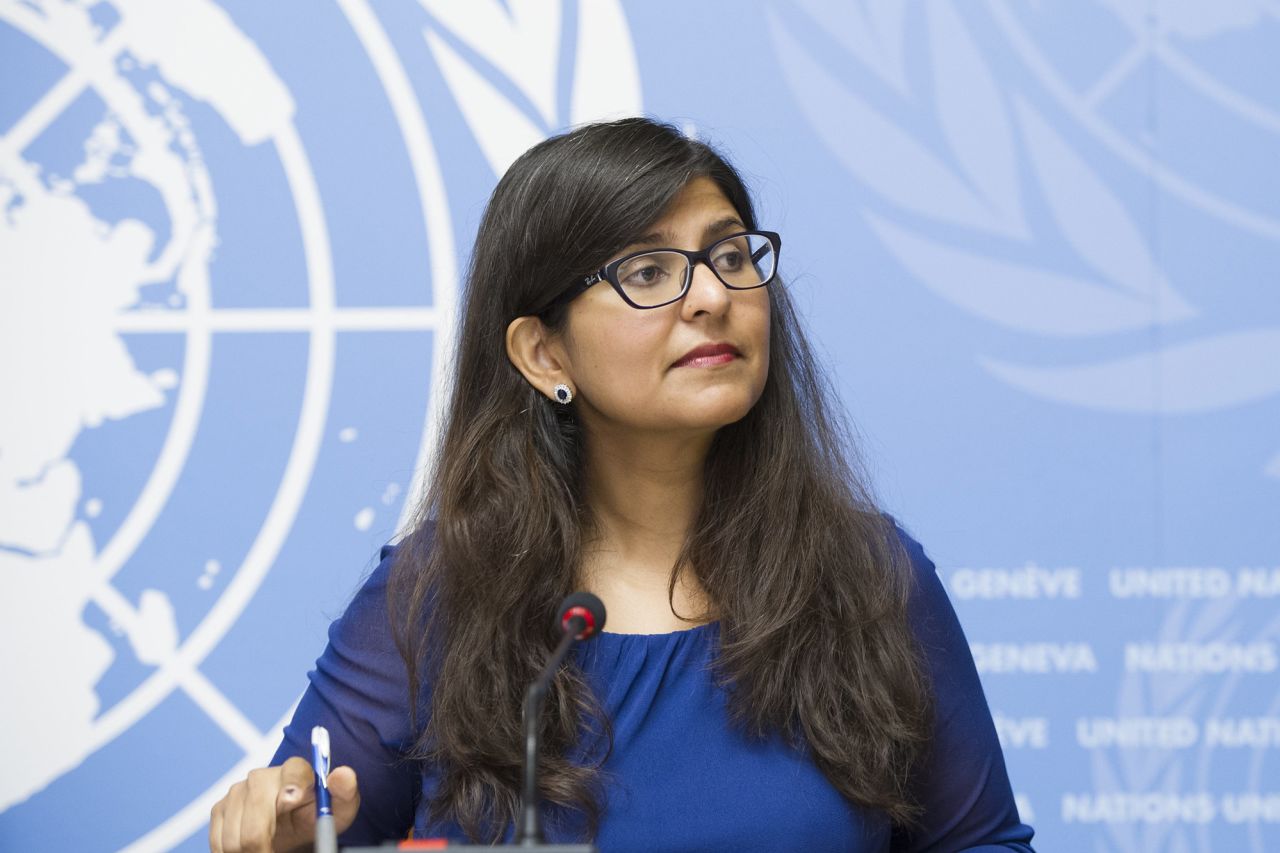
{"x":503,"y":61}
{"x":957,"y":155}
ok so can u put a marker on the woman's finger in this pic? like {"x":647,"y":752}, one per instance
{"x":233,"y":804}
{"x":344,"y":790}
{"x":296,"y":774}
{"x":295,"y":804}
{"x":215,"y":828}
{"x":258,"y":815}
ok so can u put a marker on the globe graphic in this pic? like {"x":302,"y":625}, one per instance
{"x":199,"y":336}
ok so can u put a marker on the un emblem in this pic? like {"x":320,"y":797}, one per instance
{"x":230,"y":265}
{"x":997,"y":177}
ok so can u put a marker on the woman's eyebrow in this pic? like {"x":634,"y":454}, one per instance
{"x":723,"y":226}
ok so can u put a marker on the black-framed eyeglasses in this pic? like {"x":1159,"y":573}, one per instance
{"x":657,"y":277}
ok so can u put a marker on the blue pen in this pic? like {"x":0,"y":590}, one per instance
{"x":326,"y":836}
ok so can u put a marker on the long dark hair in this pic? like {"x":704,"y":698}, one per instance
{"x":809,"y":581}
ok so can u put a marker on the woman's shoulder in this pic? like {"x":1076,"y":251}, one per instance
{"x":364,"y":627}
{"x":898,"y":531}
{"x":922,"y":571}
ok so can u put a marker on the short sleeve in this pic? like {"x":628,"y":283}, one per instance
{"x":962,"y":783}
{"x":359,"y":692}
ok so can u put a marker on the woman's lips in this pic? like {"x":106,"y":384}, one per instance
{"x":708,"y":355}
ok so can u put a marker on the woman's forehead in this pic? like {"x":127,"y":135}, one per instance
{"x":700,"y":209}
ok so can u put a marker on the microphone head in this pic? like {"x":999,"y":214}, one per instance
{"x":585,"y":606}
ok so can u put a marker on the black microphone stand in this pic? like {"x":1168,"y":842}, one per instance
{"x":530,"y":831}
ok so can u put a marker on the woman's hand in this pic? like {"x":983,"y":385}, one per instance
{"x":274,"y":809}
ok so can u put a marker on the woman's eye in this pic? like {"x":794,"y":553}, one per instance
{"x":730,"y":261}
{"x":644,"y":276}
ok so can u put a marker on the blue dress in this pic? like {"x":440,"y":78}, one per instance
{"x":680,"y":777}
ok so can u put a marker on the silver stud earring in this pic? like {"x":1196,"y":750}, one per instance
{"x":564,"y":394}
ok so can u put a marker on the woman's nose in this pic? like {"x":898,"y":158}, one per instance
{"x":707,"y":294}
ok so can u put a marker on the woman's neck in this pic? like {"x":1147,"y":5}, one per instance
{"x":644,"y":494}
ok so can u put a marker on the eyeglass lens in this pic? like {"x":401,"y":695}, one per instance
{"x":741,"y":262}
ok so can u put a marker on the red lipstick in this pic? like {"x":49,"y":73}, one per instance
{"x":708,"y":355}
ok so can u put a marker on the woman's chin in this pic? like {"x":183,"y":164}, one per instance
{"x":715,"y":412}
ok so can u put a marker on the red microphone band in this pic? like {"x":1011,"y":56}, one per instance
{"x":590,"y":621}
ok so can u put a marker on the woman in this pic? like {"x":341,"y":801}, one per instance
{"x":636,"y":413}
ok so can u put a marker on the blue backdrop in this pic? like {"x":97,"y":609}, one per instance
{"x":1035,"y":242}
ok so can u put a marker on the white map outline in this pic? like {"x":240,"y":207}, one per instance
{"x":439,"y":232}
{"x":91,"y":62}
{"x":180,"y":668}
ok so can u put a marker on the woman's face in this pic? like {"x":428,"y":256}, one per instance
{"x":641,"y":369}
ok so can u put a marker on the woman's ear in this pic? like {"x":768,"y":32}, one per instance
{"x":537,"y":354}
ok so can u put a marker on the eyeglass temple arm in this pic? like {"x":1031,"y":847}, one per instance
{"x":572,"y":293}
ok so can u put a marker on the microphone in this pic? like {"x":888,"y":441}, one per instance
{"x":581,"y":614}
{"x":580,"y":617}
